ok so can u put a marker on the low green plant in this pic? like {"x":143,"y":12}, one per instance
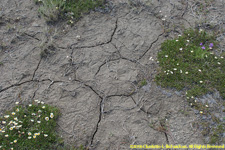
{"x":52,"y":10}
{"x":29,"y":127}
{"x":143,"y":83}
{"x":215,"y":137}
{"x":188,"y":62}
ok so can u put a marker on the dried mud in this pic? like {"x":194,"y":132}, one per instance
{"x":95,"y":79}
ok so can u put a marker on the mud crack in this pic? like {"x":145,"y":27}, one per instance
{"x":36,"y":69}
{"x":150,"y":46}
{"x":100,"y":114}
{"x":103,"y":43}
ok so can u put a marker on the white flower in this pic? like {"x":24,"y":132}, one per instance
{"x":6,"y":135}
{"x":15,"y":141}
{"x":39,"y":111}
{"x":177,"y":40}
{"x":166,"y":56}
{"x":218,"y":63}
{"x":17,"y":127}
{"x":10,"y":122}
{"x":25,"y":116}
{"x":201,"y":112}
{"x":215,"y":57}
{"x":174,"y":68}
{"x":201,"y":81}
{"x":33,"y":114}
{"x":17,"y":110}
{"x":46,"y":118}
{"x":43,"y":107}
{"x":6,"y":116}
{"x":192,"y":96}
{"x":32,"y":120}
{"x":180,"y":71}
{"x":29,"y":137}
{"x":71,"y":21}
{"x":186,"y":72}
{"x":192,"y":51}
{"x":34,"y":136}
{"x":15,"y":123}
{"x":38,"y":121}
{"x":51,"y":115}
{"x":29,"y":133}
{"x":199,"y":70}
{"x":13,"y":113}
{"x":191,"y":104}
{"x":171,"y":72}
{"x":221,"y":57}
{"x":16,"y":119}
{"x":3,"y":122}
{"x":177,"y":64}
{"x":45,"y":135}
{"x":163,"y":19}
{"x":16,"y":103}
{"x":188,"y":41}
{"x":181,"y":49}
{"x":206,"y":106}
{"x":206,"y":56}
{"x":200,"y":30}
{"x":164,"y":71}
{"x":42,"y":102}
{"x":30,"y":105}
{"x":179,"y":35}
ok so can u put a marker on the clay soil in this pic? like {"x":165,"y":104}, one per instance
{"x":94,"y":70}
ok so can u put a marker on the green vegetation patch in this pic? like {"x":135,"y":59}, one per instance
{"x":52,"y":10}
{"x":29,"y":127}
{"x":189,"y":62}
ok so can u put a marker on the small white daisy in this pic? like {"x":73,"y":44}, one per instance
{"x":46,"y":118}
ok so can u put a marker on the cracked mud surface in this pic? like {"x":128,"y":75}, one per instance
{"x":95,"y":79}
